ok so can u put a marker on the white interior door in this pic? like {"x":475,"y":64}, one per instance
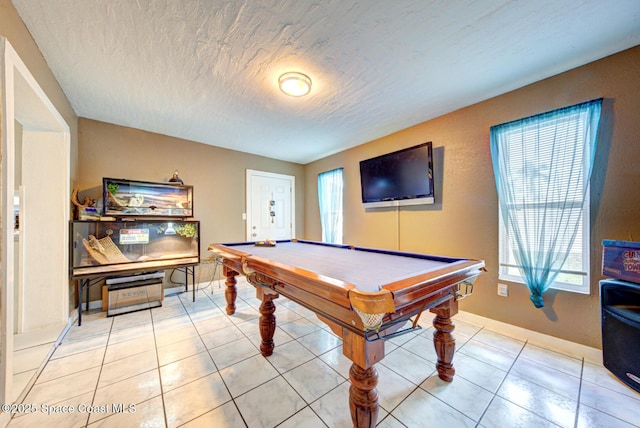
{"x":270,"y":206}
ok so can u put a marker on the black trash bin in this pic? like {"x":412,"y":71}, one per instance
{"x":620,"y":308}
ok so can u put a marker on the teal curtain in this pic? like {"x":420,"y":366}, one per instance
{"x":330,"y":185}
{"x":542,"y":166}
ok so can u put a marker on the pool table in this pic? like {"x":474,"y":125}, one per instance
{"x":364,"y":295}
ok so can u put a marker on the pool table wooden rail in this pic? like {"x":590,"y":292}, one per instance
{"x":330,"y":297}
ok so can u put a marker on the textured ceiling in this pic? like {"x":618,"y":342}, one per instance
{"x":207,"y":70}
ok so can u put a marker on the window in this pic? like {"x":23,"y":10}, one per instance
{"x":542,"y":166}
{"x":330,"y":186}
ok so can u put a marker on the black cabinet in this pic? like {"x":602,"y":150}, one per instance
{"x":620,"y":308}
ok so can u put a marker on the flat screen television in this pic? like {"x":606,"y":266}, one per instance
{"x":404,"y":177}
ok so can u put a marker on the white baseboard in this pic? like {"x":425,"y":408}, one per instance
{"x":93,"y":304}
{"x":562,"y":346}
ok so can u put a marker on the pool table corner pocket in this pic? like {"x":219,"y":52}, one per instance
{"x":371,"y":307}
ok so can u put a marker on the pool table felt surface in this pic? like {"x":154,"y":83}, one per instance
{"x":367,"y":271}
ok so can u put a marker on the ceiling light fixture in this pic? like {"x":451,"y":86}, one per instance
{"x":295,"y":84}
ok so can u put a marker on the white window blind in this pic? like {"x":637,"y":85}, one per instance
{"x":548,"y":166}
{"x":330,"y":191}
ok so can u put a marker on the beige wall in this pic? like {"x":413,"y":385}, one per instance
{"x":14,"y":30}
{"x":12,"y":27}
{"x":218,"y":175}
{"x":464,"y":220}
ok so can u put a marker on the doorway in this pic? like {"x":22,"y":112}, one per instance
{"x":34,"y":294}
{"x":270,"y":206}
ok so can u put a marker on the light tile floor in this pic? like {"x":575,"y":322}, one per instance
{"x":188,"y":364}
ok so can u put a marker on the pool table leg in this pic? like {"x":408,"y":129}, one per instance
{"x":230,"y":291}
{"x":363,"y":396}
{"x":443,"y":340}
{"x":267,"y":320}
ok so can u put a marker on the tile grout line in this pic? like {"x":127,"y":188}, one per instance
{"x":495,"y":394}
{"x":104,"y":356}
{"x":281,"y":375}
{"x":232,"y":399}
{"x":544,"y":387}
{"x":577,"y":415}
{"x":269,"y":362}
{"x":155,"y":345}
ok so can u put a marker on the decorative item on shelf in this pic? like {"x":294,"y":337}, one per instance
{"x":85,"y":210}
{"x":188,"y":230}
{"x":175,"y":178}
{"x":113,"y":188}
{"x":104,"y":250}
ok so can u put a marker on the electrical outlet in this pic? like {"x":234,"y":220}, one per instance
{"x":503,"y":290}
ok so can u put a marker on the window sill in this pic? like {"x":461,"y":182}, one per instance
{"x":571,"y":288}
